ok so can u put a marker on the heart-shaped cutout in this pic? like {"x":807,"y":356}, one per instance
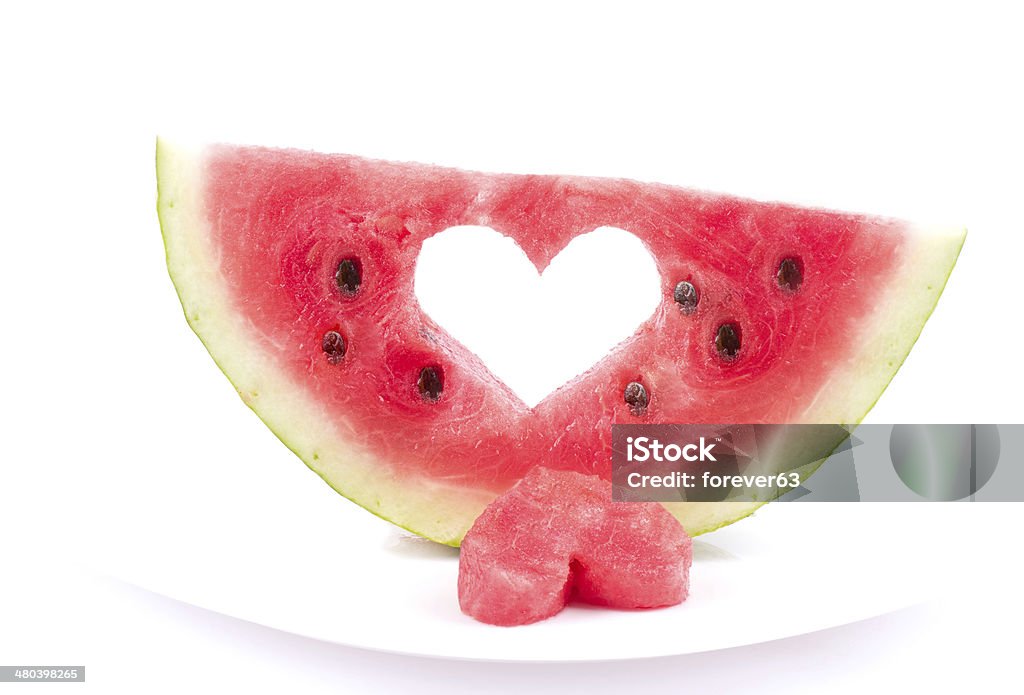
{"x":536,"y":331}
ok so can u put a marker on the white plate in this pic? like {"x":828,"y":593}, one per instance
{"x":280,"y":549}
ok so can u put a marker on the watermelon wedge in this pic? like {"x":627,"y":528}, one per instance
{"x":296,"y":271}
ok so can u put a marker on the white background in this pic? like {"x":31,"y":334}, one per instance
{"x":110,"y":403}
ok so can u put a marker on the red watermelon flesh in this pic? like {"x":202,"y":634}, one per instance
{"x":296,"y":270}
{"x":557,"y":535}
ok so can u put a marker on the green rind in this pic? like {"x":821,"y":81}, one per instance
{"x":942,"y":288}
{"x":416,"y":499}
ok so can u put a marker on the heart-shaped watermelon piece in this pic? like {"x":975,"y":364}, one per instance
{"x":557,"y":535}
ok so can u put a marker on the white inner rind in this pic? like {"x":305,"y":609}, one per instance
{"x":444,"y":512}
{"x":909,"y":297}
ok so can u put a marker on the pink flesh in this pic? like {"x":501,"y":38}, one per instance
{"x":556,"y":535}
{"x":283,"y":220}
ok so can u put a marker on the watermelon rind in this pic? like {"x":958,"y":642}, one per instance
{"x":443,"y":511}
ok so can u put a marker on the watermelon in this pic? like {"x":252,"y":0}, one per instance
{"x":557,"y":535}
{"x":296,"y":271}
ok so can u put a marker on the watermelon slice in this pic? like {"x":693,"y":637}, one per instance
{"x":557,"y":535}
{"x":296,"y":271}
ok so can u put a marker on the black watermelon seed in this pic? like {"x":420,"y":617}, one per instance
{"x":636,"y":397}
{"x":333,"y":346}
{"x":349,"y":276}
{"x":686,"y":297}
{"x":431,"y":383}
{"x":727,"y":341}
{"x":790,"y":275}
